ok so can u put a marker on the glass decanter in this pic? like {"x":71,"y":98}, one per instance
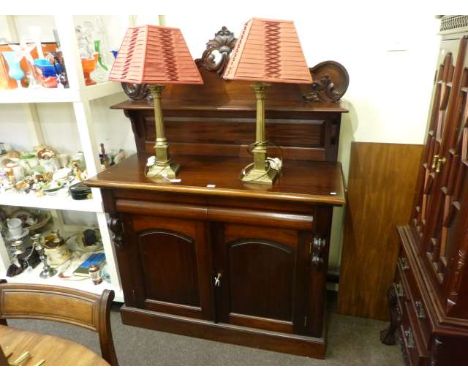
{"x":101,"y":73}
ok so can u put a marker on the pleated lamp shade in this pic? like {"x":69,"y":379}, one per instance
{"x":268,"y":51}
{"x":153,"y":54}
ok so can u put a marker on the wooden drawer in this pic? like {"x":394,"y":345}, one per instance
{"x":412,"y":291}
{"x":419,"y":311}
{"x":411,"y":341}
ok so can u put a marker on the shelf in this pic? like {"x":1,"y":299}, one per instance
{"x":44,"y":95}
{"x":50,"y":202}
{"x":101,"y":90}
{"x":31,"y":276}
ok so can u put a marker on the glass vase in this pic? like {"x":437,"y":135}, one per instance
{"x":14,"y":67}
{"x":89,"y":65}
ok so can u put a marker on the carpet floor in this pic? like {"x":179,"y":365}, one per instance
{"x":351,"y":341}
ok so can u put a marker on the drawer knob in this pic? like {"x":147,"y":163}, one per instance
{"x":420,"y":312}
{"x":399,"y":290}
{"x":403,"y":264}
{"x":409,"y":338}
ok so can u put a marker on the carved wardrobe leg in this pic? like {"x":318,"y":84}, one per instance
{"x":387,"y":336}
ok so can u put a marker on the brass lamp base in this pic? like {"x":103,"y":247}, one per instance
{"x":163,"y":171}
{"x":266,"y":176}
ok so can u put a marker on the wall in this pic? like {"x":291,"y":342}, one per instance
{"x":390,"y":58}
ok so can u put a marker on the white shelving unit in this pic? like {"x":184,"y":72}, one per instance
{"x":80,"y":97}
{"x":44,"y":95}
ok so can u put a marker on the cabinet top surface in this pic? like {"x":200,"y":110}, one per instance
{"x":300,"y":181}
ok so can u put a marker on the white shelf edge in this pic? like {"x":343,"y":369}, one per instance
{"x":50,"y":202}
{"x":101,"y":90}
{"x":52,"y":95}
{"x":32,"y":277}
{"x":42,"y":95}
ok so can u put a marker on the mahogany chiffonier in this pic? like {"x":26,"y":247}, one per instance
{"x":429,"y":297}
{"x":213,"y":257}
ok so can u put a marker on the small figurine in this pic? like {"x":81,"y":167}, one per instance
{"x":44,"y":152}
{"x":104,"y":158}
{"x":77,"y":172}
{"x":95,"y":274}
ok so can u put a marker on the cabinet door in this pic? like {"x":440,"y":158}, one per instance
{"x":171,"y":263}
{"x":262,"y":278}
{"x":450,"y":183}
{"x":439,"y":131}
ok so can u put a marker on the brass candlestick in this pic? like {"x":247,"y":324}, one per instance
{"x":260,"y":171}
{"x":162,"y":166}
{"x":47,"y":270}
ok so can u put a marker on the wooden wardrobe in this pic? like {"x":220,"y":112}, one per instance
{"x":429,"y":297}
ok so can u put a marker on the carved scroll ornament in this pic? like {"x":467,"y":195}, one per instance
{"x":216,"y":55}
{"x":116,"y":227}
{"x":136,"y":92}
{"x":331,"y":81}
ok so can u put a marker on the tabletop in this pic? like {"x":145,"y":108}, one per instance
{"x":55,"y":351}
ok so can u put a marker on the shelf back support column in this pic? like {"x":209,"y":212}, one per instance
{"x":88,"y":142}
{"x":34,"y":124}
{"x":66,"y":30}
{"x":11,"y":30}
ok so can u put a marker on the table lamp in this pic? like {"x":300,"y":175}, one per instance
{"x":156,"y":55}
{"x":266,"y":51}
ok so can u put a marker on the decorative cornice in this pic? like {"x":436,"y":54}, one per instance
{"x":454,"y":24}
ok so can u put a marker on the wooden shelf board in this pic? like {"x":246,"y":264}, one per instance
{"x":44,"y":95}
{"x":31,"y":276}
{"x":101,"y":90}
{"x":50,"y":202}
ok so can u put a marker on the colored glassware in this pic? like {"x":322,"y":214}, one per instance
{"x":89,"y":65}
{"x":97,"y":48}
{"x":5,"y":81}
{"x":47,"y":73}
{"x":101,"y":73}
{"x":14,"y":67}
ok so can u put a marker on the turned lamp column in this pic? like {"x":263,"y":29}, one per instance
{"x":161,"y":146}
{"x":163,"y":165}
{"x":259,"y":151}
{"x":260,"y":171}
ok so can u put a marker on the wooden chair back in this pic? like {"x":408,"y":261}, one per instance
{"x":61,"y":304}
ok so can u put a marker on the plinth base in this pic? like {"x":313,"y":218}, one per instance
{"x":267,"y":176}
{"x":166,"y":171}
